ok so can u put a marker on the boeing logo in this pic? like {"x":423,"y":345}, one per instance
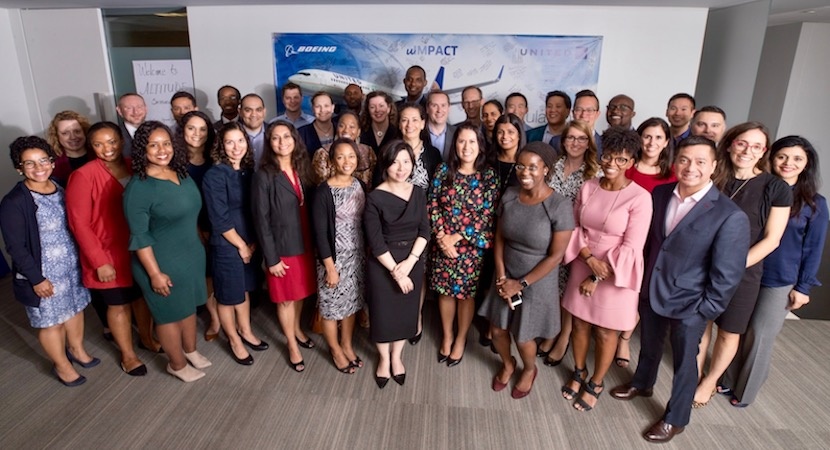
{"x":291,"y":51}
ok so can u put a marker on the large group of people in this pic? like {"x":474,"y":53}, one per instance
{"x":551,"y":235}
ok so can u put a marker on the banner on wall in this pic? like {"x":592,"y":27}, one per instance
{"x":158,"y":80}
{"x":498,"y":64}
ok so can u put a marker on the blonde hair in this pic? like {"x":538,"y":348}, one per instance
{"x":52,"y":131}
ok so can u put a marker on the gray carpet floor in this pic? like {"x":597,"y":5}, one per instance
{"x":268,"y":405}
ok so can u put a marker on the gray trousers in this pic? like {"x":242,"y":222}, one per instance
{"x":750,"y":368}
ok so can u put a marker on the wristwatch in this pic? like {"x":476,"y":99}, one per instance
{"x":524,"y":283}
{"x":594,"y":278}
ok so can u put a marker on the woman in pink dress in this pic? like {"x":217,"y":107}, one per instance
{"x":612,"y":217}
{"x":281,"y":217}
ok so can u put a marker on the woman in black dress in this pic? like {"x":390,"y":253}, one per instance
{"x":743,"y":174}
{"x":397,"y":230}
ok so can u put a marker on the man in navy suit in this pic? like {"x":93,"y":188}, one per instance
{"x":695,"y":258}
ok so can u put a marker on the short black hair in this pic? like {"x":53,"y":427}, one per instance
{"x":515,"y":94}
{"x":680,"y":95}
{"x":24,"y":143}
{"x":698,"y":140}
{"x":710,"y":109}
{"x":228,"y":86}
{"x":183,"y":94}
{"x":565,"y":97}
{"x":389,"y":152}
{"x":94,"y":128}
{"x":586,"y":93}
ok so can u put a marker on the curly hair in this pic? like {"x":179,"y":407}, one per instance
{"x":52,"y":131}
{"x":210,"y":142}
{"x":24,"y":143}
{"x":725,"y":170}
{"x":139,"y":151}
{"x":300,"y":161}
{"x":104,"y":125}
{"x":666,"y":158}
{"x":454,"y":163}
{"x":344,"y":141}
{"x":621,"y":140}
{"x":590,"y":156}
{"x":366,"y":118}
{"x":809,"y":180}
{"x":220,"y":156}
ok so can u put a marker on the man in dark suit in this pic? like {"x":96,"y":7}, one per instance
{"x":229,"y":99}
{"x":439,"y":130}
{"x":132,"y":110}
{"x":695,"y":258}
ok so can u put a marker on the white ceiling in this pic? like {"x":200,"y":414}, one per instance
{"x":782,"y":11}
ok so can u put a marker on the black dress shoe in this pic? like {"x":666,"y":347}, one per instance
{"x":86,"y":365}
{"x":257,"y":347}
{"x":484,"y":341}
{"x":400,"y":379}
{"x":139,"y":371}
{"x":442,"y":358}
{"x":304,"y":344}
{"x":76,"y":382}
{"x":381,"y":381}
{"x":662,"y":432}
{"x":628,"y":392}
{"x":451,"y":362}
{"x":415,"y":339}
{"x":243,"y":361}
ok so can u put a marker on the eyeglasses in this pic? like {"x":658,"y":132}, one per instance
{"x":531,"y":169}
{"x":585,"y":110}
{"x":742,"y":145}
{"x":620,"y":107}
{"x":580,"y":139}
{"x":471,"y":103}
{"x":32,"y":164}
{"x":618,"y":160}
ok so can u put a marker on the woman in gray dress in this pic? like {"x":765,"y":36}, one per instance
{"x":47,"y":271}
{"x":534,"y":227}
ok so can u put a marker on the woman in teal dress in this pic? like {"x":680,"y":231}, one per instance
{"x":461,"y":202}
{"x":162,"y":205}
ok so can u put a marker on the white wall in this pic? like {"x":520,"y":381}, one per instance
{"x":731,"y":57}
{"x":14,"y":110}
{"x":806,"y":109}
{"x":642,"y":55}
{"x":67,"y":62}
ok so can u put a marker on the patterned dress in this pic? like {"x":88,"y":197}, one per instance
{"x":463,"y":206}
{"x":59,"y":262}
{"x":346,"y":298}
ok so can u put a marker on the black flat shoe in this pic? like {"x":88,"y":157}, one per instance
{"x":381,"y":381}
{"x":417,"y":338}
{"x":262,"y":344}
{"x":247,"y":361}
{"x":451,"y":362}
{"x":400,"y":379}
{"x":139,"y":371}
{"x":76,"y":382}
{"x":442,"y":358}
{"x":86,"y":365}
{"x":304,"y":344}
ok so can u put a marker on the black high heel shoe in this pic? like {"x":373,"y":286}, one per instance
{"x":243,"y":361}
{"x":415,"y":339}
{"x":381,"y":381}
{"x":258,"y":347}
{"x":86,"y":365}
{"x":555,"y":362}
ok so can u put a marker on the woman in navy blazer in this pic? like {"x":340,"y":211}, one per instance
{"x":227,"y":191}
{"x":47,"y":279}
{"x":280,"y":199}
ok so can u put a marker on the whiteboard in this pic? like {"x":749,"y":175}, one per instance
{"x":157,"y":81}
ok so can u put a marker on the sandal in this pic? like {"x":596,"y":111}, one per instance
{"x":357,"y":363}
{"x":578,"y":376}
{"x":622,"y":362}
{"x":590,"y":389}
{"x":698,"y":405}
{"x":723,"y":390}
{"x":737,"y":403}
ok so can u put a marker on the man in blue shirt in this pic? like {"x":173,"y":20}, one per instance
{"x":292,"y":99}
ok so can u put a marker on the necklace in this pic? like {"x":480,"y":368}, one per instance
{"x":739,"y":188}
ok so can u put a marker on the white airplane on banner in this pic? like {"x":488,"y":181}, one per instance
{"x":314,"y":80}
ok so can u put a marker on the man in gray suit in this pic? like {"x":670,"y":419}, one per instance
{"x":695,"y":258}
{"x":440,"y":132}
{"x":132,"y":110}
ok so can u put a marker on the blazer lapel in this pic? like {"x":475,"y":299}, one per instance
{"x":703,"y":206}
{"x":282,"y":181}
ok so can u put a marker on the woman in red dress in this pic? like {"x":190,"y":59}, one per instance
{"x":282,"y":222}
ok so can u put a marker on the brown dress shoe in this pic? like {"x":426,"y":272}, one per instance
{"x":628,"y":392}
{"x":662,"y":432}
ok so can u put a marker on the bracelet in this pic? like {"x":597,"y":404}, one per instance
{"x":590,"y":255}
{"x":595,"y":279}
{"x":416,"y":256}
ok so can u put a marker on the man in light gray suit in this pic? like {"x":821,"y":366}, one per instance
{"x":440,"y":132}
{"x":695,"y":258}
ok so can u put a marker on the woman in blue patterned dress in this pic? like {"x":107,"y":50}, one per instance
{"x":47,"y":271}
{"x":341,"y":256}
{"x":461,"y":202}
